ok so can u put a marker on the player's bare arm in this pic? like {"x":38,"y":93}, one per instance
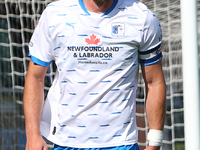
{"x":33,"y":102}
{"x":156,"y":97}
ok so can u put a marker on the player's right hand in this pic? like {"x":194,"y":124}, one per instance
{"x":36,"y":143}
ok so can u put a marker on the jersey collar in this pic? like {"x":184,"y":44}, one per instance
{"x":105,"y":13}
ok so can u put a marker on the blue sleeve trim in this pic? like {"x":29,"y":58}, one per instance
{"x":151,"y":60}
{"x":39,"y":62}
{"x":150,"y":51}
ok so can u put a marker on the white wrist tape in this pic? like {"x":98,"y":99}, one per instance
{"x":155,"y":137}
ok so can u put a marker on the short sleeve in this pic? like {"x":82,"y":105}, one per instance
{"x":40,"y":46}
{"x":150,"y":46}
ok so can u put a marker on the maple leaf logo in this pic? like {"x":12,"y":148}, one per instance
{"x":92,"y":40}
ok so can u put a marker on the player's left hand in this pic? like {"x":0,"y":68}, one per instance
{"x":152,"y":148}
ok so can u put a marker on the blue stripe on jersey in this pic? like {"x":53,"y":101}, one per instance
{"x":151,"y":61}
{"x":39,"y":62}
{"x":123,"y":147}
{"x":107,"y":12}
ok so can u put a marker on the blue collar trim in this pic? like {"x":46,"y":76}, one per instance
{"x":83,"y":6}
{"x":111,"y":8}
{"x":106,"y":13}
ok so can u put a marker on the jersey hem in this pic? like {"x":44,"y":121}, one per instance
{"x":100,"y":145}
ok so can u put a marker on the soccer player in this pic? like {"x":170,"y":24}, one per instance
{"x":97,"y":46}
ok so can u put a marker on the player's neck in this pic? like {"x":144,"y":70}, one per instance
{"x":98,"y":6}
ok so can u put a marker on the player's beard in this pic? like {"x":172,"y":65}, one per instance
{"x":100,"y":1}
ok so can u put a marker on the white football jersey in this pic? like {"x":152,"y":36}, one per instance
{"x":91,"y":102}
